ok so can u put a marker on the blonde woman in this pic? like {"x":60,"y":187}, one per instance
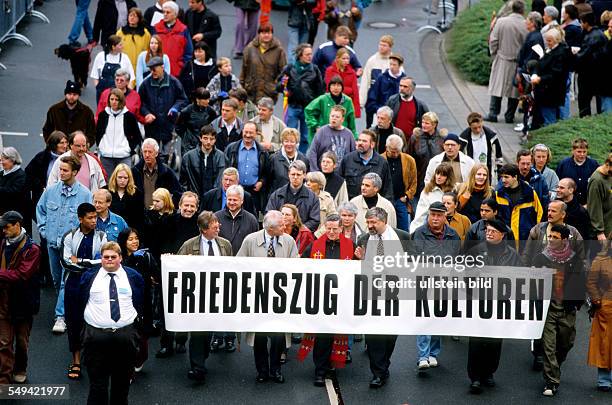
{"x":127,"y":200}
{"x":425,"y":143}
{"x":541,"y":157}
{"x":441,"y":182}
{"x":156,"y":220}
{"x":315,"y":181}
{"x":472,"y":192}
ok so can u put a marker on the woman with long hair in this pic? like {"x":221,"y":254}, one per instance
{"x":442,"y":182}
{"x":155,"y":48}
{"x":127,"y":200}
{"x":425,"y":143}
{"x":143,"y":262}
{"x":156,"y":220}
{"x":107,"y":63}
{"x":117,"y":133}
{"x":135,"y":35}
{"x":342,"y":68}
{"x":472,"y":192}
{"x":293,"y":226}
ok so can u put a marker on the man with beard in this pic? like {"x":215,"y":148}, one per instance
{"x":71,"y":115}
{"x":568,"y":291}
{"x":364,"y":160}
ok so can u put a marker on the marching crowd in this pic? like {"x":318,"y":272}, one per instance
{"x":184,"y":157}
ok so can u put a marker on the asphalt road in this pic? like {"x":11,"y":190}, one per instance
{"x":35,"y":79}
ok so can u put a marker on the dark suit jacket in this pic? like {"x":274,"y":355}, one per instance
{"x":213,"y":199}
{"x":403,"y":236}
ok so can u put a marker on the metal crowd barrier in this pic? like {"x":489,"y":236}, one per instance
{"x":11,"y":14}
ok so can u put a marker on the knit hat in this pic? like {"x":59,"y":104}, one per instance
{"x":497,"y":224}
{"x":72,"y":87}
{"x":454,"y":138}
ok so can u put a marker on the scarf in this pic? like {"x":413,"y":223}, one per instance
{"x":340,"y":343}
{"x":138,"y":30}
{"x":337,"y":99}
{"x":300,"y":67}
{"x":465,"y":197}
{"x":559,"y":255}
{"x":12,"y":247}
{"x":333,"y":183}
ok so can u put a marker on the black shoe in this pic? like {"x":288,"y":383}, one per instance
{"x":377,"y":382}
{"x":75,"y":44}
{"x":604,"y":388}
{"x":490,"y":118}
{"x":230,"y":347}
{"x":319,"y":381}
{"x":550,"y":390}
{"x":538,"y":363}
{"x":164,"y":352}
{"x":216,"y":345}
{"x":475,"y":388}
{"x":489,"y":382}
{"x":196,"y":375}
{"x":510,"y":120}
{"x":349,"y":358}
{"x":278,"y":377}
{"x":262,"y":378}
{"x":180,"y":348}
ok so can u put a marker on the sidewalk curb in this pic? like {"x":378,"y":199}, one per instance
{"x":455,"y":91}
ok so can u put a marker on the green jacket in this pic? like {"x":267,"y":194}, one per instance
{"x":317,"y":114}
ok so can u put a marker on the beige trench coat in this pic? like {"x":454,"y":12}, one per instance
{"x":505,"y":42}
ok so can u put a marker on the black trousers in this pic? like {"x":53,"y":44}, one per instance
{"x":167,"y":338}
{"x":483,"y":357}
{"x":587,"y":88}
{"x":380,"y":349}
{"x":268,"y":362}
{"x":74,"y":322}
{"x":109,"y":357}
{"x":199,"y":349}
{"x":495,"y":107}
{"x":321,"y":352}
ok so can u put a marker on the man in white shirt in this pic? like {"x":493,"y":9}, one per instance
{"x":461,"y":163}
{"x":111,"y":301}
{"x":208,"y":243}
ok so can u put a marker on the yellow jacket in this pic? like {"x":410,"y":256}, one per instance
{"x":134,"y":44}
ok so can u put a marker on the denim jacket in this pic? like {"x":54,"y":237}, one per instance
{"x":56,"y":212}
{"x":113,"y":228}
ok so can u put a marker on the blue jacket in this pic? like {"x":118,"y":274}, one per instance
{"x":136,"y":283}
{"x":580,"y":174}
{"x":326,"y":54}
{"x":164,"y":99}
{"x":522,"y":215}
{"x":538,"y":183}
{"x":115,"y":225}
{"x":384,"y":87}
{"x":56,"y":212}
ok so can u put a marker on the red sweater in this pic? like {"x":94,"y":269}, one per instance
{"x":349,"y":81}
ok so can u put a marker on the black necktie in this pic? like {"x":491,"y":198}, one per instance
{"x":271,"y":252}
{"x":211,"y":252}
{"x":114,"y":299}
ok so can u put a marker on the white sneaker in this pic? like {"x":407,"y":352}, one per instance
{"x":20,"y":378}
{"x":433,"y":362}
{"x":519,"y":127}
{"x":60,"y":325}
{"x":423,"y":365}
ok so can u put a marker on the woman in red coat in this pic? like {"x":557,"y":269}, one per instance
{"x":342,"y":68}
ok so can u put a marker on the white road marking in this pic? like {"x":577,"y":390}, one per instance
{"x":13,"y":133}
{"x":331,"y":392}
{"x":423,"y":86}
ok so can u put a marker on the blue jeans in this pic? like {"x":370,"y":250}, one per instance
{"x":428,"y":346}
{"x":297,"y":35}
{"x":81,"y":20}
{"x":403,"y":217}
{"x":549,"y":115}
{"x":606,"y":104}
{"x":604,"y":377}
{"x":564,"y":110}
{"x":57,"y":273}
{"x":295,"y":117}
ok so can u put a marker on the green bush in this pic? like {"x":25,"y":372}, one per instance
{"x":559,"y":136}
{"x":467,"y":46}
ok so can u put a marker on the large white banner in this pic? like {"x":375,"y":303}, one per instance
{"x":243,"y":294}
